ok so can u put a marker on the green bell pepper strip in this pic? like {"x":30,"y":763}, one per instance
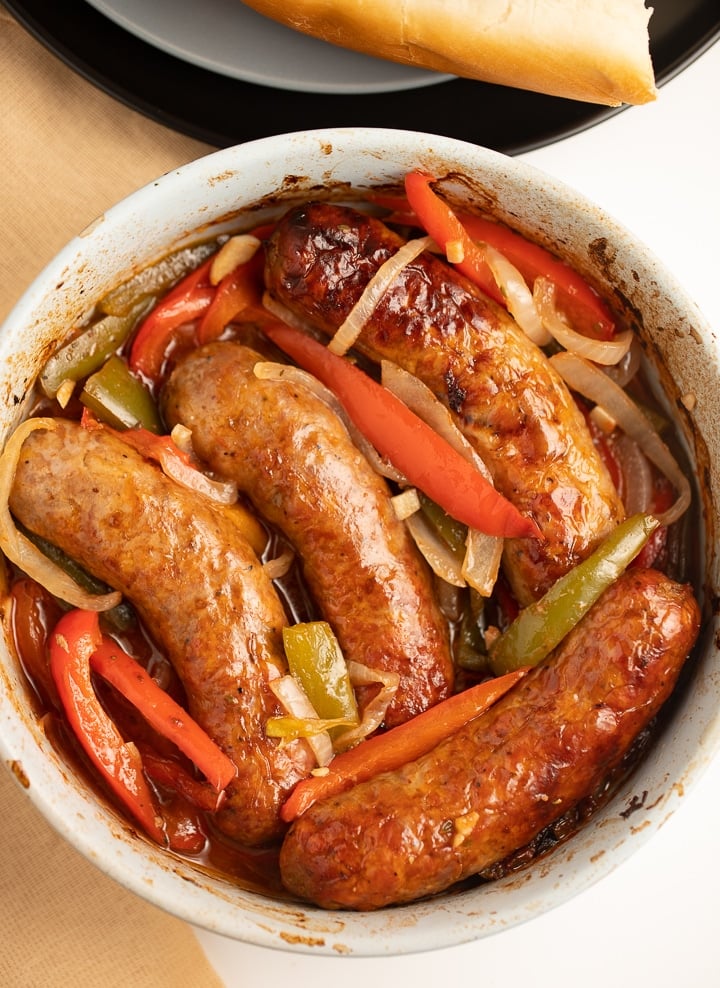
{"x":290,"y":728}
{"x":86,"y":353}
{"x":452,"y":532}
{"x":469,"y":648}
{"x":121,"y":399}
{"x":154,"y":281}
{"x":121,"y":617}
{"x":316,"y":661}
{"x":541,"y":626}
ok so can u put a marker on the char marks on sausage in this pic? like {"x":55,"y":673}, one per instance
{"x":500,"y":387}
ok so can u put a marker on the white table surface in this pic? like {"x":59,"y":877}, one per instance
{"x":656,"y":920}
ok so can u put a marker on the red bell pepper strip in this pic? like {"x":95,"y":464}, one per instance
{"x":167,"y":771}
{"x":603,"y":446}
{"x":403,"y":744}
{"x":33,"y":615}
{"x":663,"y":497}
{"x":188,"y":300}
{"x":239,"y":291}
{"x":589,"y":311}
{"x":534,"y":261}
{"x":148,"y":444}
{"x":167,"y":717}
{"x":445,"y":228}
{"x":424,"y":457}
{"x":74,"y":639}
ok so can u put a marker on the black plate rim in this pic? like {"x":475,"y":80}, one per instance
{"x":120,"y":64}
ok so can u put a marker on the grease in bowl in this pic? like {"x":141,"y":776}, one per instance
{"x":410,"y":608}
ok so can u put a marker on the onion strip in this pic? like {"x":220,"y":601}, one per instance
{"x":483,"y":552}
{"x":361,"y":313}
{"x":637,"y":481}
{"x":279,"y":566}
{"x":625,"y":369}
{"x":435,"y":550}
{"x":21,"y":551}
{"x":295,"y":702}
{"x":588,"y":380}
{"x":193,"y":479}
{"x":374,"y":713}
{"x":236,"y":251}
{"x":406,"y":503}
{"x":599,"y":351}
{"x":520,"y":301}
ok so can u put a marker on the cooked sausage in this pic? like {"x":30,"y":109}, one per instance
{"x":195,"y":582}
{"x":290,"y":453}
{"x":506,"y":398}
{"x":490,"y":788}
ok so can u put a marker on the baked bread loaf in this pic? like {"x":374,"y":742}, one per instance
{"x":596,"y":51}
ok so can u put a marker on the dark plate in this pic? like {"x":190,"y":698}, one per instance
{"x":222,"y":111}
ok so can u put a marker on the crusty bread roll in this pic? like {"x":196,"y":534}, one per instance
{"x":596,"y":51}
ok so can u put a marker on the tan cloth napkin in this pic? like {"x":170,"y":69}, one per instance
{"x":67,"y":151}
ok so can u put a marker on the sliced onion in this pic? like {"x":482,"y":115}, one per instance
{"x":374,"y":713}
{"x":483,"y":552}
{"x":435,"y":550}
{"x":406,"y":503}
{"x":590,"y":381}
{"x":295,"y":702}
{"x":625,"y":370}
{"x":602,"y":419}
{"x":519,"y":298}
{"x":455,"y":251}
{"x":361,"y":313}
{"x":637,"y":488}
{"x":278,"y":567}
{"x":190,"y":477}
{"x":21,"y":551}
{"x":267,"y":370}
{"x":234,"y":252}
{"x":599,"y":351}
{"x":65,"y":392}
{"x":482,"y":561}
{"x":182,"y":437}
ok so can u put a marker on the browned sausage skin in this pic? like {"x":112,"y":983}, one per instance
{"x":196,"y":583}
{"x":494,"y":785}
{"x":294,"y":459}
{"x":505,"y":396}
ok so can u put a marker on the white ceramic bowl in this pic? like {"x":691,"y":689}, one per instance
{"x":208,"y":194}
